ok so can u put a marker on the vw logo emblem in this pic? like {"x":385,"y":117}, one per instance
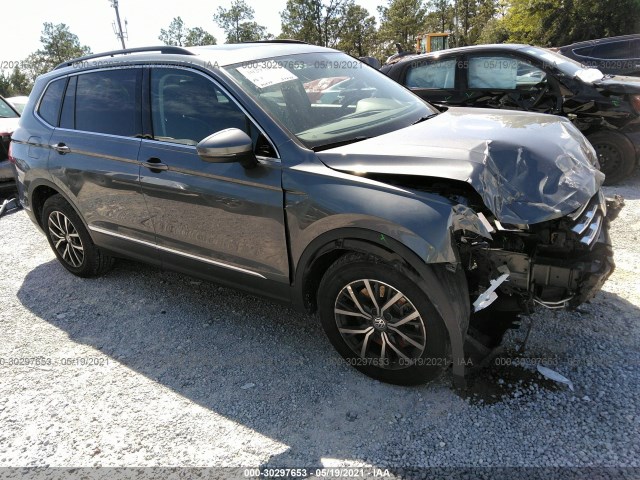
{"x":379,"y":323}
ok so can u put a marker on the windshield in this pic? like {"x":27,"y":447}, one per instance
{"x":326,"y":99}
{"x":6,"y":111}
{"x":566,"y":65}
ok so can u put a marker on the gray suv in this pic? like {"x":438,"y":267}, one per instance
{"x":299,"y":173}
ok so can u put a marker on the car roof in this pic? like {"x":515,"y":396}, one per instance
{"x":452,"y":51}
{"x":598,"y":41}
{"x":210,"y":55}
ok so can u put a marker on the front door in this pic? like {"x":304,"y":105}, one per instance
{"x":223,"y":220}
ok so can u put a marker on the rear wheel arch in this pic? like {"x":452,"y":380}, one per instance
{"x":39,"y":196}
{"x":43,"y":191}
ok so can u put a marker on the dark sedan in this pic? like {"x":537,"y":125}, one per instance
{"x":614,"y":55}
{"x":605,"y":108}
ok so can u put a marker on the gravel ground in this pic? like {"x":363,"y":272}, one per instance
{"x":171,"y":371}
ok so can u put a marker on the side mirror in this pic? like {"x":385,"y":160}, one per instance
{"x":226,"y":146}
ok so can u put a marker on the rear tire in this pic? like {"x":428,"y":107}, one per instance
{"x":616,"y":154}
{"x":70,"y":240}
{"x":400,"y":338}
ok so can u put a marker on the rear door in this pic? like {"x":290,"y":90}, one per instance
{"x":94,"y":158}
{"x":219,"y":219}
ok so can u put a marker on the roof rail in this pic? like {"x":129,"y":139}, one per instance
{"x":279,"y":40}
{"x":165,"y":49}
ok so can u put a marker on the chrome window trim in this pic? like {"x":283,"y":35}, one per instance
{"x":151,"y":66}
{"x":177,"y":252}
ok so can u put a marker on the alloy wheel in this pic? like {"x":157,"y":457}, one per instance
{"x":66,"y":239}
{"x":380,"y":324}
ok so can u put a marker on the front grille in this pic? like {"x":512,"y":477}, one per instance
{"x":588,"y":223}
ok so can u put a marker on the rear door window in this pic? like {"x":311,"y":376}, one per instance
{"x":49,"y":109}
{"x":106,"y":102}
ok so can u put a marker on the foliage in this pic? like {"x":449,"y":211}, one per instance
{"x":560,"y":22}
{"x":315,"y":21}
{"x":359,"y":37}
{"x":238,"y":24}
{"x":199,"y":36}
{"x":58,"y":45}
{"x":14,"y":83}
{"x":401,"y":21}
{"x":179,"y":35}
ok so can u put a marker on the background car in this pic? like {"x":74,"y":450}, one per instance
{"x":521,"y":77}
{"x":9,"y":117}
{"x":18,"y":102}
{"x":613,"y":55}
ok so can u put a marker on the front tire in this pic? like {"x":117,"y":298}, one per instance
{"x":70,"y":240}
{"x":616,"y":154}
{"x":381,"y":321}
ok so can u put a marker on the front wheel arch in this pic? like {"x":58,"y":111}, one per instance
{"x":323,"y":252}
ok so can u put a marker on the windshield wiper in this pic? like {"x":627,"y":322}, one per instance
{"x":341,"y":143}
{"x":426,"y":117}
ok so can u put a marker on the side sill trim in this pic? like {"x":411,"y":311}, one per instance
{"x":177,"y":252}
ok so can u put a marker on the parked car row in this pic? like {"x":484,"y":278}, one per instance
{"x":410,"y":230}
{"x":9,"y":117}
{"x":605,"y":108}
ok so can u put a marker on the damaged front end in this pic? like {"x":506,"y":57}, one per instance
{"x":555,"y":264}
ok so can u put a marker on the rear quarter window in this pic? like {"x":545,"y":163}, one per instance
{"x":49,"y":109}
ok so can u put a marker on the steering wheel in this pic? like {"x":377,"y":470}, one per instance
{"x":544,"y":89}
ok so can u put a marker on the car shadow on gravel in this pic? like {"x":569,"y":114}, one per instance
{"x":257,"y":363}
{"x":628,"y":188}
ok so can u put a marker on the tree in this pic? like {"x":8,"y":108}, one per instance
{"x":58,"y":45}
{"x":14,"y":83}
{"x":559,"y":22}
{"x":401,"y":21}
{"x":179,"y":35}
{"x":176,"y":34}
{"x":238,"y":24}
{"x":440,"y":16}
{"x":359,"y":35}
{"x":199,"y":36}
{"x":315,"y":21}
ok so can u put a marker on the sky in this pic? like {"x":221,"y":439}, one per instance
{"x":92,"y":21}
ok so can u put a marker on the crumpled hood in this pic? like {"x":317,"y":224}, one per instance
{"x":527,"y":167}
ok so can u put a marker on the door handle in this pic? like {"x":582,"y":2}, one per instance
{"x":155,"y":164}
{"x":61,"y":148}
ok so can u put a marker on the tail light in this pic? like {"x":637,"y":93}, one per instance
{"x":635,"y":101}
